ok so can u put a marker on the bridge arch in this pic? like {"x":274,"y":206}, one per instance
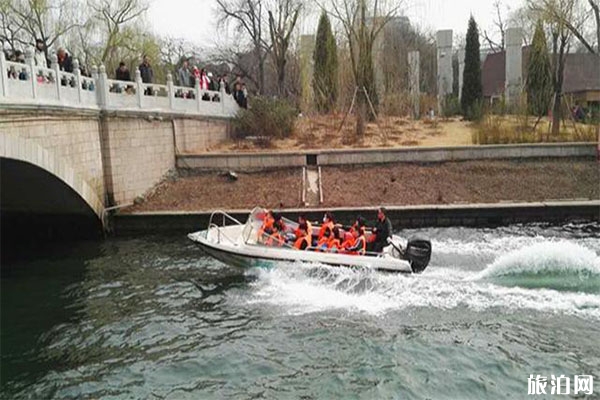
{"x":60,"y":187}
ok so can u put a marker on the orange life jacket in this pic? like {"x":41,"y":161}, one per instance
{"x":305,"y":238}
{"x":349,"y":242}
{"x":334,"y":243}
{"x":309,"y":229}
{"x":361,"y":241}
{"x":266,"y":228}
{"x":326,"y":227}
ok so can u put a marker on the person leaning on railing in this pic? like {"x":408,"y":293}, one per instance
{"x":147,"y":74}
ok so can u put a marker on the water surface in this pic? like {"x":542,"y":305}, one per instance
{"x":152,"y":318}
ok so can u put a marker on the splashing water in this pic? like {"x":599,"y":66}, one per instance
{"x":562,"y":265}
{"x":508,"y":282}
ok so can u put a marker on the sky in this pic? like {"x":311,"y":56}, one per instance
{"x":195,"y":21}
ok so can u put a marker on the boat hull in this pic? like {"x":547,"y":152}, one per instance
{"x":242,"y":255}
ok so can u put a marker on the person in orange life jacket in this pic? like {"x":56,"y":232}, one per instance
{"x":360,"y":244}
{"x":304,"y":240}
{"x":349,"y":236}
{"x":327,"y":227}
{"x":332,"y":243}
{"x":266,"y":227}
{"x":276,"y":238}
{"x":323,"y":242}
{"x":382,"y":231}
{"x":302,"y":220}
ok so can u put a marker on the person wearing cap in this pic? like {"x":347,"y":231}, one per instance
{"x":382,"y":231}
{"x":40,"y":54}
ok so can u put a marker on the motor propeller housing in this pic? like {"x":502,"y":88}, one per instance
{"x":418,"y":253}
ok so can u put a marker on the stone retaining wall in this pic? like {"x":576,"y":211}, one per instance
{"x":475,"y":215}
{"x":286,"y":159}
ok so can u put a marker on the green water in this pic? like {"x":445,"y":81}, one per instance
{"x":151,"y":318}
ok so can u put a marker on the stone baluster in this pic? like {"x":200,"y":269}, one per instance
{"x":77,"y":73}
{"x":139,"y":91}
{"x":198,"y":95}
{"x":95,"y":82}
{"x":222,"y":96}
{"x":56,"y":70}
{"x":170,"y":91}
{"x":4,"y":75}
{"x":30,"y":62}
{"x":102,"y":87}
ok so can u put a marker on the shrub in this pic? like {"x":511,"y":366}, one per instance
{"x":493,"y":129}
{"x":451,"y":106}
{"x":267,"y":119}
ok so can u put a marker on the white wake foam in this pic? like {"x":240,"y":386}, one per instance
{"x":296,"y":289}
{"x":561,"y":257}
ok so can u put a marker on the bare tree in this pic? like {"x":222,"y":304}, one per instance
{"x":249,"y":19}
{"x":525,"y":19}
{"x":113,"y":15}
{"x":282,"y":23}
{"x":499,"y":24}
{"x":595,"y":4}
{"x":560,"y":36}
{"x":362,"y":21}
{"x":574,"y":16}
{"x":12,"y":31}
{"x":47,"y":20}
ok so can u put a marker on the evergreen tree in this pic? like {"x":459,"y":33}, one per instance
{"x":325,"y":62}
{"x":539,"y":74}
{"x":471,"y":96}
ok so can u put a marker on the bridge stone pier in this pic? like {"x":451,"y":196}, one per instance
{"x":73,"y":145}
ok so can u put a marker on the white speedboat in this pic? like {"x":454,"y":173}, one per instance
{"x":236,"y":243}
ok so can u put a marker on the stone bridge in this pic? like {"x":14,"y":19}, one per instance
{"x":75,"y":145}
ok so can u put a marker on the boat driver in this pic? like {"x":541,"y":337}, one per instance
{"x":381,"y":232}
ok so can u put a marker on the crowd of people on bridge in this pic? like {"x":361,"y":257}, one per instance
{"x":329,"y":236}
{"x":186,"y":76}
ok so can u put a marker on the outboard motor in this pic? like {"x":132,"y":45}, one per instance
{"x":417,"y":253}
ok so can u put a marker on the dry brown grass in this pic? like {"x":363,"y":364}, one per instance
{"x":327,"y":131}
{"x":495,"y":129}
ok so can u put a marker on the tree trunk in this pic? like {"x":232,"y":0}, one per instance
{"x":261,"y":69}
{"x":596,"y":10}
{"x":361,"y":114}
{"x":281,"y":81}
{"x":558,"y":83}
{"x":556,"y":114}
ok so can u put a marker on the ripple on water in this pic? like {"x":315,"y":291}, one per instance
{"x":151,"y":318}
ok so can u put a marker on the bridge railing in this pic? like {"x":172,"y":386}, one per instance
{"x":37,"y":85}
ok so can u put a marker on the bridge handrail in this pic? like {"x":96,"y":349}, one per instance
{"x":75,"y":89}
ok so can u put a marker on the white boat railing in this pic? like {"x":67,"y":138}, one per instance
{"x":213,"y":225}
